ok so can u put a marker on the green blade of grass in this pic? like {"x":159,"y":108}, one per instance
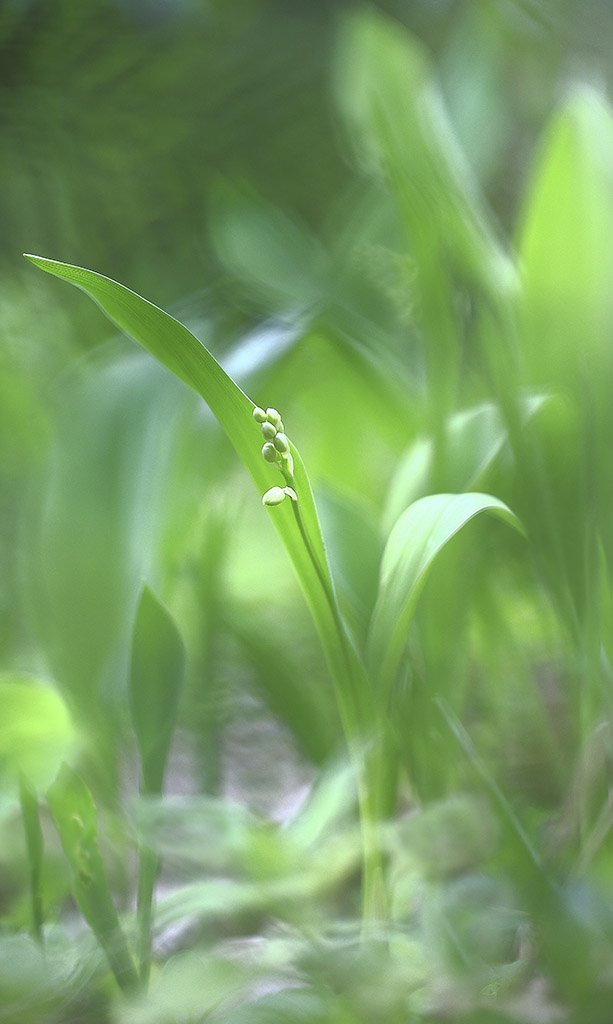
{"x":74,"y":813}
{"x":181,"y":352}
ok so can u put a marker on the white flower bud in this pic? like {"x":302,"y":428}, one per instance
{"x":274,"y":496}
{"x":269,"y":431}
{"x":269,"y":452}
{"x":273,"y":417}
{"x":259,"y":415}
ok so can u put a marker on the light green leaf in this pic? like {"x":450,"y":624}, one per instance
{"x":36,"y":732}
{"x":156,"y":680}
{"x":418,"y":536}
{"x":565,"y":247}
{"x":567,"y":306}
{"x":174,"y":346}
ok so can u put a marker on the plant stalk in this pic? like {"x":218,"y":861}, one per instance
{"x":148,"y":870}
{"x":34,"y":848}
{"x":374,"y":899}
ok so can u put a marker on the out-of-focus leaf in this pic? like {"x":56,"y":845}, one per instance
{"x":398,"y":122}
{"x":294,"y":1006}
{"x":36,"y":732}
{"x":452,"y":836}
{"x":473,"y":80}
{"x":308,"y":711}
{"x":387,"y":93}
{"x":202,"y":831}
{"x":330,"y":803}
{"x":567,"y":307}
{"x":74,"y":814}
{"x":475,"y":439}
{"x":33,"y":982}
{"x":355,"y":546}
{"x":178,"y":349}
{"x":416,"y":539}
{"x":280,"y":879}
{"x":156,"y":681}
{"x":274,"y":255}
{"x":565,"y":247}
{"x":187,"y":988}
{"x":99,"y":530}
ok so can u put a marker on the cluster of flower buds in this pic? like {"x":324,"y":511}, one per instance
{"x":275,"y":450}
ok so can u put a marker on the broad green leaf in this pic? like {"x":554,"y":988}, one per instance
{"x":567,"y":305}
{"x":418,"y":536}
{"x":36,"y":732}
{"x":74,"y":814}
{"x":156,"y":680}
{"x":178,"y":349}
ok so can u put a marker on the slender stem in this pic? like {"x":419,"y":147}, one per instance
{"x":374,"y":901}
{"x":148,"y":870}
{"x":349,"y":712}
{"x":34,"y":848}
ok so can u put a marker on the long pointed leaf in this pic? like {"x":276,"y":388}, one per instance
{"x":417,"y":538}
{"x":181,"y":352}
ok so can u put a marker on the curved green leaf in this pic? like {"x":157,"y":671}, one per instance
{"x":418,"y":536}
{"x":181,"y":352}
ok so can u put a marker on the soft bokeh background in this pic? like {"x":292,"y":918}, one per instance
{"x":195,"y":151}
{"x":217,"y":157}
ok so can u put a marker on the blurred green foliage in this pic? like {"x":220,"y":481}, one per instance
{"x":392,"y":222}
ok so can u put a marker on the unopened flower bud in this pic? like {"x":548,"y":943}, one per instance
{"x":273,"y":417}
{"x":268,"y":431}
{"x":259,"y":415}
{"x":281,"y":443}
{"x":274,"y":496}
{"x":269,"y":452}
